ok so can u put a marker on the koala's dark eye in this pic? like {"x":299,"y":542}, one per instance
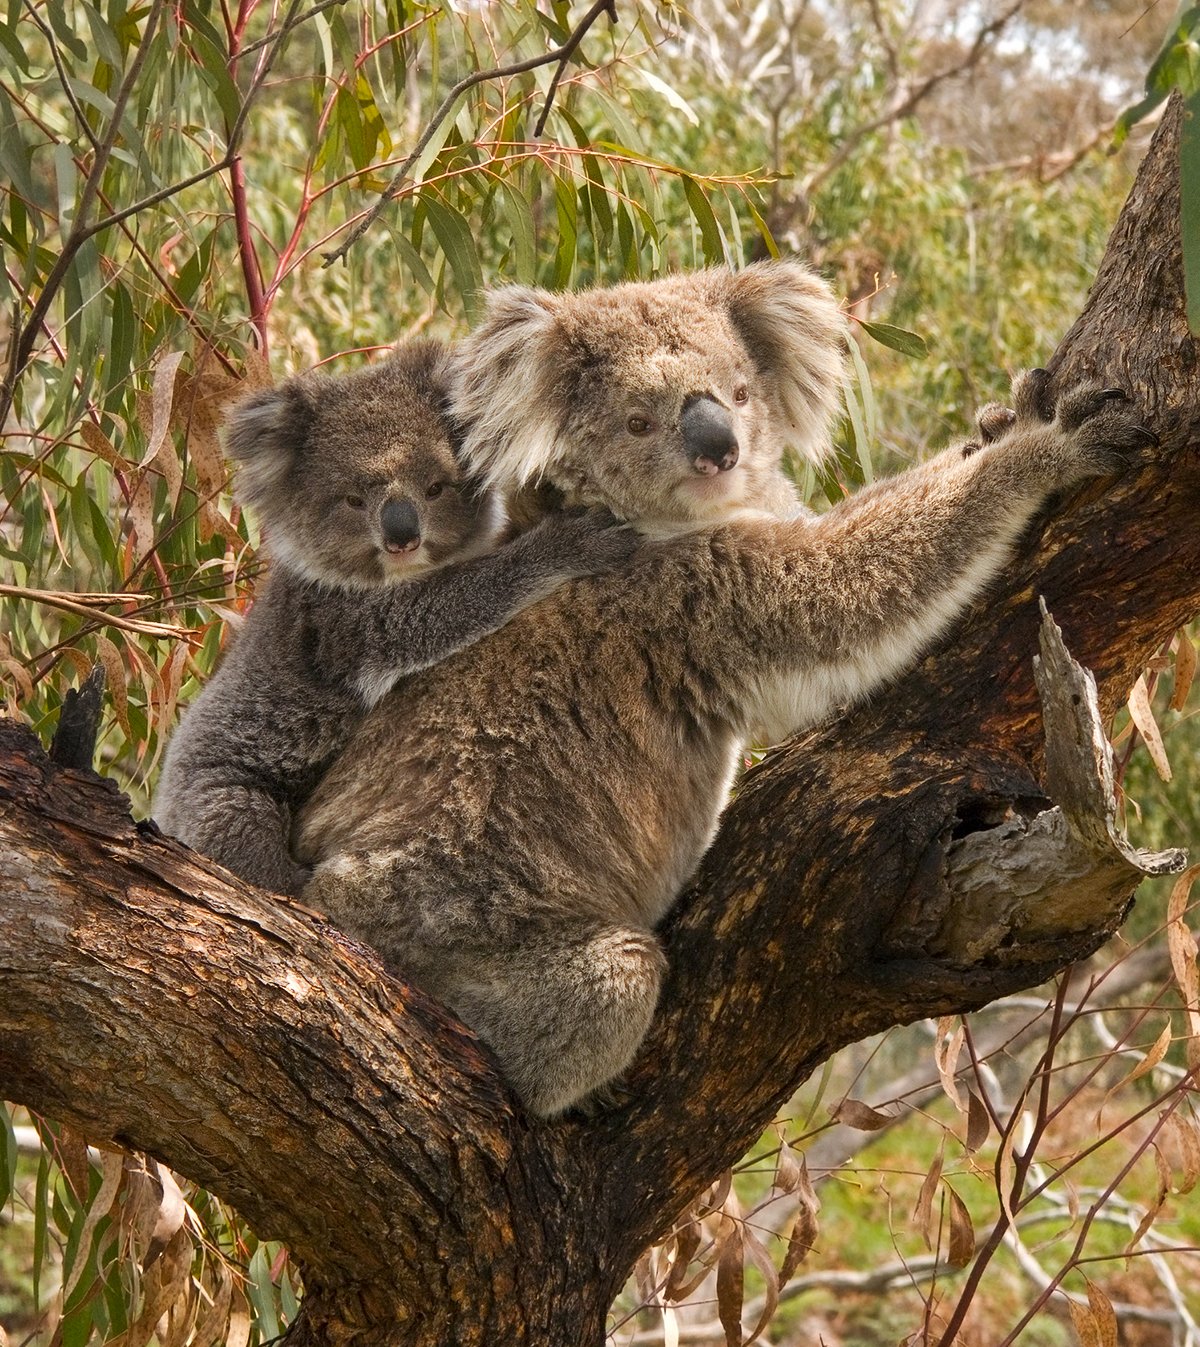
{"x":638,"y":425}
{"x":356,"y":502}
{"x":434,"y":490}
{"x":741,"y":394}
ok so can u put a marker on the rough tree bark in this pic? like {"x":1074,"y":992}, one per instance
{"x":148,"y":1000}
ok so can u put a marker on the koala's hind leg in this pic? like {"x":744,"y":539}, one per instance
{"x":564,"y":1014}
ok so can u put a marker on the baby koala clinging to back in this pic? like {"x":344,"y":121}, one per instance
{"x":380,"y":566}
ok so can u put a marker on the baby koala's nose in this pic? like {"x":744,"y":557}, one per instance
{"x":401,"y":527}
{"x":708,"y":435}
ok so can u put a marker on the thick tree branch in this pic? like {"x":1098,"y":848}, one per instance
{"x":146,"y":998}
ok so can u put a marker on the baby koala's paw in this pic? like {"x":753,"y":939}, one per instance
{"x":587,"y":543}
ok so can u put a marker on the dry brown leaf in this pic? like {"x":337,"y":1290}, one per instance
{"x":805,"y":1226}
{"x":714,"y":1199}
{"x":1142,"y":714}
{"x":20,"y":675}
{"x":766,"y":1268}
{"x":731,"y":1280}
{"x":140,"y":513}
{"x":165,"y":1283}
{"x":854,"y":1113}
{"x":923,"y":1211}
{"x":1083,"y":1321}
{"x":100,"y":445}
{"x":1104,"y":1315}
{"x":239,"y":1320}
{"x":181,"y":1317}
{"x":172,"y":1210}
{"x":962,"y":1231}
{"x":156,"y":419}
{"x":114,"y":670}
{"x":112,"y":1166}
{"x":258,"y":373}
{"x":1006,"y":1170}
{"x":77,"y":660}
{"x":787,"y":1170}
{"x":71,"y":1152}
{"x":643,"y":1276}
{"x":1154,"y":1054}
{"x":1185,"y":670}
{"x":1151,"y":1214}
{"x":686,"y":1241}
{"x":1182,"y":946}
{"x":946,"y":1047}
{"x":978,"y":1124}
{"x":1180,"y":1133}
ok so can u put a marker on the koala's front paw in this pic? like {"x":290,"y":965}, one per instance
{"x":1088,"y":431}
{"x":1103,"y":428}
{"x":584,"y":544}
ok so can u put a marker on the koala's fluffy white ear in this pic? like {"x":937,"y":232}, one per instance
{"x":796,"y":334}
{"x":263,"y":433}
{"x":502,"y":388}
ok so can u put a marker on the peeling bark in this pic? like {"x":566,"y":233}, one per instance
{"x":921,"y":856}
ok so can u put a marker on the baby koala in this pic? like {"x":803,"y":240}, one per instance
{"x":380,"y":566}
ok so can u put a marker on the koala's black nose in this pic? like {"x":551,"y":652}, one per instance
{"x":708,"y":435}
{"x":401,"y":527}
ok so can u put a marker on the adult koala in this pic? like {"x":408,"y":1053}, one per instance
{"x":510,"y":827}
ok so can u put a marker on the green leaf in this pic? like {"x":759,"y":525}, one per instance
{"x":702,"y":212}
{"x":118,"y":359}
{"x":14,"y":48}
{"x":519,"y":215}
{"x":261,"y":1291}
{"x":8,"y":1155}
{"x":64,"y":31}
{"x":103,"y":36}
{"x":897,"y":339}
{"x":862,"y":445}
{"x":454,"y":235}
{"x":41,"y":1215}
{"x":566,"y":204}
{"x":436,"y":141}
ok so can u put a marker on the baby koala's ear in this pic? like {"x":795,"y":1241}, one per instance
{"x":502,"y":387}
{"x":263,"y":434}
{"x":795,"y":333}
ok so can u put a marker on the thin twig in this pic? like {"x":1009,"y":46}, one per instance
{"x":392,"y":190}
{"x":915,"y":96}
{"x":568,"y":50}
{"x":290,"y":24}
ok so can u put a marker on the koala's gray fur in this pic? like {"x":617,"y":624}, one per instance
{"x":378,"y":539}
{"x":510,"y":830}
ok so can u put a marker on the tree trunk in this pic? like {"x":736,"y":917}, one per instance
{"x":149,"y":1000}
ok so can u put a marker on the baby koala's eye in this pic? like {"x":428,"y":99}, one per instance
{"x":356,"y":502}
{"x":638,"y":425}
{"x":741,"y":394}
{"x":434,"y":490}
